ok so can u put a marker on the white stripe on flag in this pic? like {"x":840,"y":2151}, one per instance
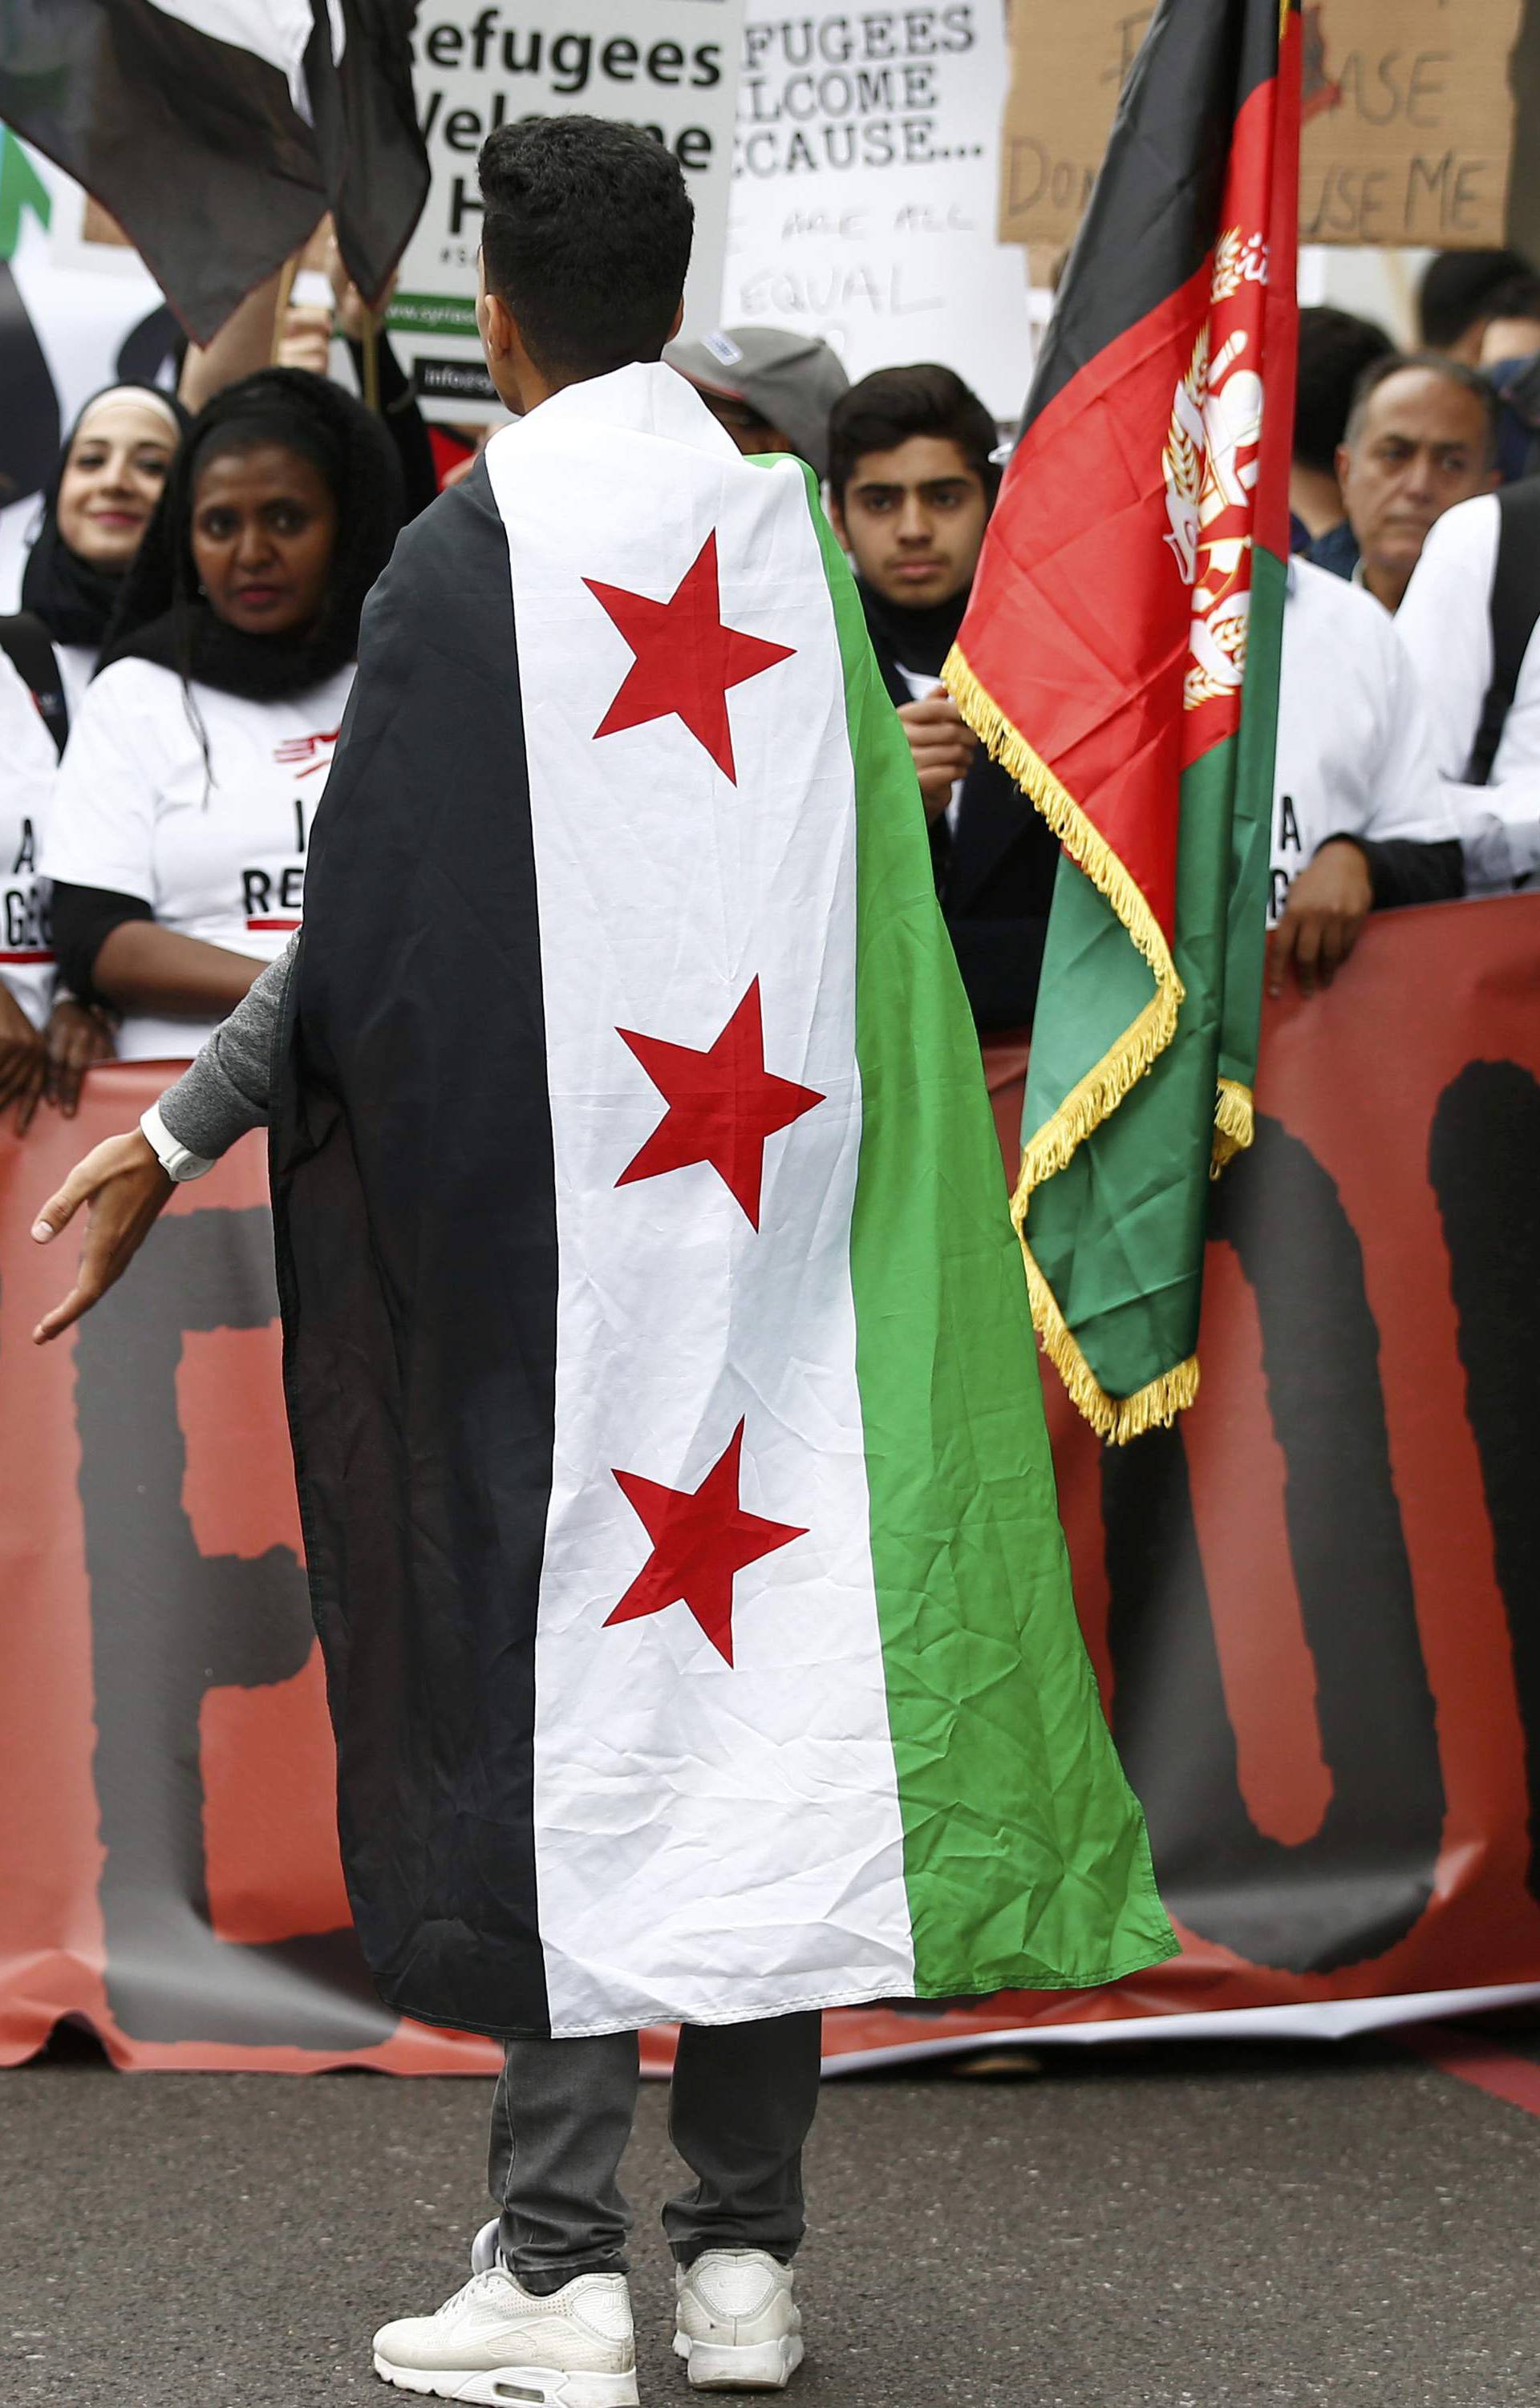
{"x":714,"y":1842}
{"x":278,"y":31}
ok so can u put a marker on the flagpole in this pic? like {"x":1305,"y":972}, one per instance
{"x":371,"y":360}
{"x":281,"y":306}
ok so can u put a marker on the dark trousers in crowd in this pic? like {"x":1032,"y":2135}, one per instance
{"x":742,"y":2101}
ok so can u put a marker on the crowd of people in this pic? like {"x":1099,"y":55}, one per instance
{"x":171,"y":693}
{"x":174,"y":681}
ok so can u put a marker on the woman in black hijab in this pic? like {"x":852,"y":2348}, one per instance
{"x":97,"y":501}
{"x":96,"y":505}
{"x":183,"y":813}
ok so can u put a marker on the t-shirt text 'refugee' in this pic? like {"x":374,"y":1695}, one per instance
{"x":216,"y":846}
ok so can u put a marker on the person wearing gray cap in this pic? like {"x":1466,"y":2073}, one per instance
{"x":770,"y":388}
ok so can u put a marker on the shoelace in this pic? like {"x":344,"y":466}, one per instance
{"x":492,"y":2283}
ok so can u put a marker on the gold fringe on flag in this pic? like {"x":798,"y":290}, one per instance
{"x":1105,"y":1084}
{"x":1116,"y":1419}
{"x":1234,"y":1123}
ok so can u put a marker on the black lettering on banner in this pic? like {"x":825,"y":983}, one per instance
{"x":571,"y":56}
{"x":463,"y":204}
{"x":1365,"y":1878}
{"x":1484,"y":1162}
{"x":256,"y":893}
{"x":26,"y":920}
{"x":1288,"y":827}
{"x":26,"y":854}
{"x":168,"y":1623}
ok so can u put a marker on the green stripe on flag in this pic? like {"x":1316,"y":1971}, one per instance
{"x":1118,"y":1233}
{"x":1027,"y":1863}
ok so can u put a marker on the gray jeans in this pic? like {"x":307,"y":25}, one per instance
{"x":742,"y":2104}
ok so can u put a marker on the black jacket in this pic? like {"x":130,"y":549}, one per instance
{"x":995,"y":878}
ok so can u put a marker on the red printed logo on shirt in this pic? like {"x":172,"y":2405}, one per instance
{"x":314,"y":751}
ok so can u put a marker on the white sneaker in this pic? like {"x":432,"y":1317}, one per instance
{"x":737,"y":2328}
{"x":496,"y":2344}
{"x":484,"y":2249}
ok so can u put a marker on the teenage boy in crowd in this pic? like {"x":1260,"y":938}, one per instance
{"x":912,"y":481}
{"x":556,"y":840}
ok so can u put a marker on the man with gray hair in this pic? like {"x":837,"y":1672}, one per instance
{"x":1422,"y":436}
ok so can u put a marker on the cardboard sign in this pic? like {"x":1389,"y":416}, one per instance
{"x":671,"y":65}
{"x":1408,"y":119}
{"x":864,"y":190}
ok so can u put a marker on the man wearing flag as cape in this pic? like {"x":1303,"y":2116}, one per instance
{"x":679,"y":1515}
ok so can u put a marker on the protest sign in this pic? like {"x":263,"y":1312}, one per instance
{"x":1408,"y":119}
{"x":864,"y":190}
{"x":671,"y":65}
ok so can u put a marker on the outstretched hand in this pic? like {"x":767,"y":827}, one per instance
{"x":124,"y":1186}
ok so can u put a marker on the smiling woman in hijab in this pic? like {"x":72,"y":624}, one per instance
{"x":96,"y":505}
{"x":186,"y":799}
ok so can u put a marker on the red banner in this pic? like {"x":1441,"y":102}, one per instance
{"x":1313,"y":1605}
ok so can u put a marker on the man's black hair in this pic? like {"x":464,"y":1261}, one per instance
{"x":1455,"y":372}
{"x":891,"y":404}
{"x":1455,"y":291}
{"x":585,"y":239}
{"x":1518,"y":299}
{"x":1335,"y":351}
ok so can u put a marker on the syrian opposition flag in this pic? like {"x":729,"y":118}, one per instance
{"x":1120,"y":655}
{"x":679,"y":1512}
{"x":218,"y":133}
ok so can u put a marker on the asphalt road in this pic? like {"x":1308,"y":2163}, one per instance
{"x":1194,"y":2229}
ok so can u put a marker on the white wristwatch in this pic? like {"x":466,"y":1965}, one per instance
{"x":174,"y":1159}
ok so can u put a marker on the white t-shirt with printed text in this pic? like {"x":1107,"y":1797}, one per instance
{"x":28,"y":767}
{"x":216,"y":846}
{"x":1355,"y":756}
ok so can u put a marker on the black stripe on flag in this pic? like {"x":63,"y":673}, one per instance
{"x":1154,"y":213}
{"x":413,"y":1190}
{"x":196,"y":147}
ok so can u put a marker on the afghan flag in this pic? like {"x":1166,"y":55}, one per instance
{"x":1120,"y":655}
{"x":680,"y":1518}
{"x":218,"y":133}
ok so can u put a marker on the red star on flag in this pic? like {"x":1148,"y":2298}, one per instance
{"x":723,"y":1105}
{"x":685,"y":658}
{"x":701,"y":1540}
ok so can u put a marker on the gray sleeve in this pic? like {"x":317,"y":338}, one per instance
{"x":226,"y":1091}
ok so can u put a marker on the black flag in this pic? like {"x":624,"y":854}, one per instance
{"x":219,"y":150}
